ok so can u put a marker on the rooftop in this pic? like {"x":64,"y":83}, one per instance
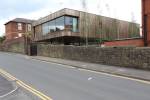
{"x":21,"y":20}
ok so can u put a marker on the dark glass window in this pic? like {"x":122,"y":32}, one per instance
{"x":60,"y":23}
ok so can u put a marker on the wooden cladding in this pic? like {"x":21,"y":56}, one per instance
{"x":93,"y":26}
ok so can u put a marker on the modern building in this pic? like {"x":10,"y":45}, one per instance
{"x":69,"y":26}
{"x":16,"y":28}
{"x":146,"y":21}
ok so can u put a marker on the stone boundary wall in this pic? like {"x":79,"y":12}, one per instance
{"x":16,"y":46}
{"x":133,"y":57}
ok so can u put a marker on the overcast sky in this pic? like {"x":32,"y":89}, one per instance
{"x":34,"y":9}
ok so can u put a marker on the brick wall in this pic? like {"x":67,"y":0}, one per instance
{"x":12,"y":30}
{"x":146,"y":17}
{"x":129,"y":42}
{"x":119,"y":56}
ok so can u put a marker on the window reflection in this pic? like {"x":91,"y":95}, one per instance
{"x":75,"y":25}
{"x":45,"y":29}
{"x":61,"y":23}
{"x":71,"y":23}
{"x":68,"y":23}
{"x":52,"y":27}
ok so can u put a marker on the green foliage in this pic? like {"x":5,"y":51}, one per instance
{"x":2,"y":38}
{"x":28,"y":34}
{"x":134,"y":30}
{"x":101,"y":40}
{"x":99,"y":31}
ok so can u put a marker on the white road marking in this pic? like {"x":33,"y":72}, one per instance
{"x":84,"y":65}
{"x":121,"y":70}
{"x":9,"y":92}
{"x":90,"y":78}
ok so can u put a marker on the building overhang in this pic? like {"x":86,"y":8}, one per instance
{"x":64,"y":33}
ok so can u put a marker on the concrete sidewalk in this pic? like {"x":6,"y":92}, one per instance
{"x":127,"y":72}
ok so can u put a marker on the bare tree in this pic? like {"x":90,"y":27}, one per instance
{"x":61,"y":3}
{"x":84,"y":7}
{"x":108,"y":9}
{"x":99,"y":7}
{"x":116,"y":25}
{"x":133,"y":17}
{"x":131,"y":31}
{"x":100,"y":28}
{"x":84,"y":4}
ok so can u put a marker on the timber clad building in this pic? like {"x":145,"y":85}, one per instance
{"x":69,"y":26}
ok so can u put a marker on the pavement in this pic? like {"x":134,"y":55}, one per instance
{"x":5,"y":86}
{"x":127,"y":72}
{"x":9,"y":90}
{"x":64,"y":82}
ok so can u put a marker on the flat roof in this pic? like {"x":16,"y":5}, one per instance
{"x":67,"y":11}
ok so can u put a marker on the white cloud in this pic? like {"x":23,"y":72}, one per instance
{"x":120,"y":9}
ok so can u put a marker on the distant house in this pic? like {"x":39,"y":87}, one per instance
{"x":69,"y":26}
{"x":17,"y":27}
{"x":15,"y":32}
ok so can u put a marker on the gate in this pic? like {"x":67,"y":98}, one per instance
{"x":33,"y":49}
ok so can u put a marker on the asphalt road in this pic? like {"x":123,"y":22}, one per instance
{"x":62,"y":82}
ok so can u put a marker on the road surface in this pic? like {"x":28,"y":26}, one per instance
{"x":61,"y":82}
